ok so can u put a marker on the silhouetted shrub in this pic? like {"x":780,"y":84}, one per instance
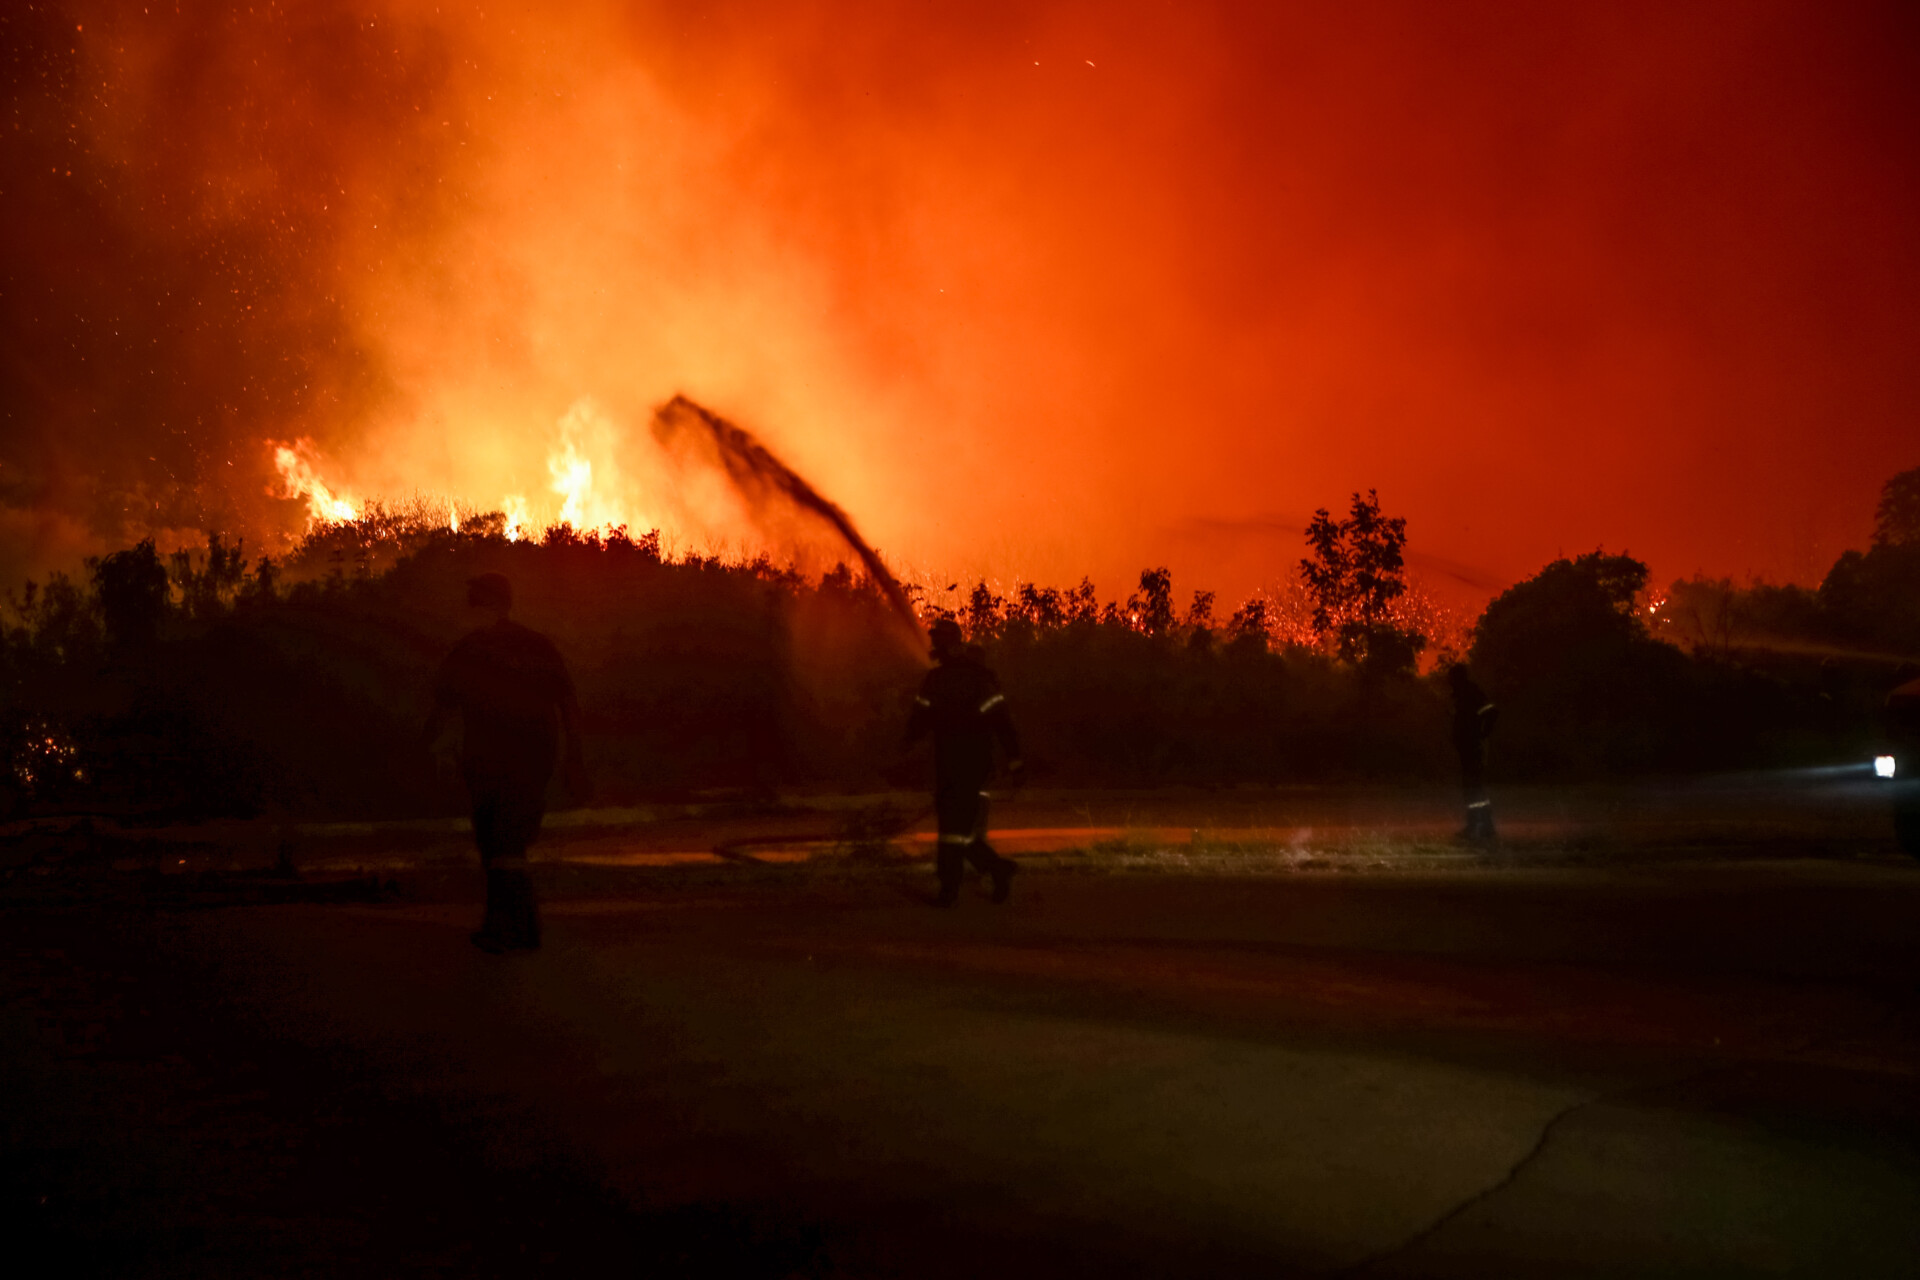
{"x":225,"y":690}
{"x":132,"y":589}
{"x":1586,"y":691}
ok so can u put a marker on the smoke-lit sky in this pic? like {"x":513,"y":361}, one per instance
{"x":1034,"y":289}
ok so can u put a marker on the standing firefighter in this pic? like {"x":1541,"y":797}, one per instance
{"x":960,"y":703}
{"x":1473,"y":720}
{"x":515,"y":699}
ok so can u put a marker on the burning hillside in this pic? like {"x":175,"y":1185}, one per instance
{"x":694,"y":479}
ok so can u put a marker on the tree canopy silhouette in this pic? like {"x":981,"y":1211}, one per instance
{"x":1356,"y":572}
{"x":133,"y":590}
{"x":1896,"y":521}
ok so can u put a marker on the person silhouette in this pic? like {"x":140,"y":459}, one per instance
{"x":511,"y":691}
{"x":1473,"y":720}
{"x":961,"y":705}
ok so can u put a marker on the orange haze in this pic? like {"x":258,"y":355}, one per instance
{"x":1028,"y":289}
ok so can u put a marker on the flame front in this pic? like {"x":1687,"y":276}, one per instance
{"x":324,"y":506}
{"x":515,"y":508}
{"x":596,"y":494}
{"x":585,"y":469}
{"x":573,"y":481}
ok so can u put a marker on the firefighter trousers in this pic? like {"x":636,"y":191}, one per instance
{"x":506,"y":820}
{"x":962,"y":812}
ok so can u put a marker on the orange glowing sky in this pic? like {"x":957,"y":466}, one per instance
{"x":1030,"y":289}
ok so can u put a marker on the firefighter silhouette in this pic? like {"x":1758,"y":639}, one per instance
{"x":961,"y":705}
{"x":515,"y":700}
{"x":1473,"y":719}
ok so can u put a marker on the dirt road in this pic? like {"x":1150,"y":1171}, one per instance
{"x":1703,"y":1069}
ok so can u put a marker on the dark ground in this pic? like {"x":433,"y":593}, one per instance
{"x":1566,"y":1061}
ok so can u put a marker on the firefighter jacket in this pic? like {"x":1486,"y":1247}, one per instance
{"x":961,"y":705}
{"x":1474,"y":715}
{"x":508,"y":683}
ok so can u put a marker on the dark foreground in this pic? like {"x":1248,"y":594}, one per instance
{"x":1675,"y":1069}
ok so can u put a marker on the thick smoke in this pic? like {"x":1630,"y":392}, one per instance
{"x":186,"y":190}
{"x":1634,"y":274}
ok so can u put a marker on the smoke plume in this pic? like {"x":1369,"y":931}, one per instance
{"x":1638,"y":274}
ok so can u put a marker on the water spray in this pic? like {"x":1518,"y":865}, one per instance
{"x":759,"y":476}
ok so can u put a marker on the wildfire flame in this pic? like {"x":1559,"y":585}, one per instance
{"x":572,"y":480}
{"x":324,"y":506}
{"x":586,"y":472}
{"x":515,"y":507}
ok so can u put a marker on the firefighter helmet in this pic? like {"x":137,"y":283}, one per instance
{"x":945,"y":637}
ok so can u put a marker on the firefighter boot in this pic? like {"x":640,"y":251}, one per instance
{"x":951,"y":870}
{"x":1003,"y":879}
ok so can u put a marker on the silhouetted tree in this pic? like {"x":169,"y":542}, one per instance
{"x":1713,"y":616}
{"x":1896,"y":521}
{"x":58,"y":623}
{"x":1850,"y":633}
{"x":1081,"y":604}
{"x":838,"y":581}
{"x":132,"y":586}
{"x":647,"y":545}
{"x":207,"y":585}
{"x":1037,"y":607}
{"x":1568,"y":657}
{"x":1151,"y":609}
{"x":1356,"y":572}
{"x":263,"y":584}
{"x":983,"y":613}
{"x":1871,"y":600}
{"x":1250,"y":626}
{"x":1199,"y":621}
{"x":1568,"y":614}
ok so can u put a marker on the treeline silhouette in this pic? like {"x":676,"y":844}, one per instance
{"x":200,"y":684}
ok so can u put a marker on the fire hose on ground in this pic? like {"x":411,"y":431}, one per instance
{"x":737,"y":850}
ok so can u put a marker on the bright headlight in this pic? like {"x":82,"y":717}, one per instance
{"x":1883,"y":766}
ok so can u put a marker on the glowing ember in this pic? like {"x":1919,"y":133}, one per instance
{"x":47,"y":758}
{"x":296,"y":466}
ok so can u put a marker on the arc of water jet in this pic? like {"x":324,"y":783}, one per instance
{"x":753,"y":469}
